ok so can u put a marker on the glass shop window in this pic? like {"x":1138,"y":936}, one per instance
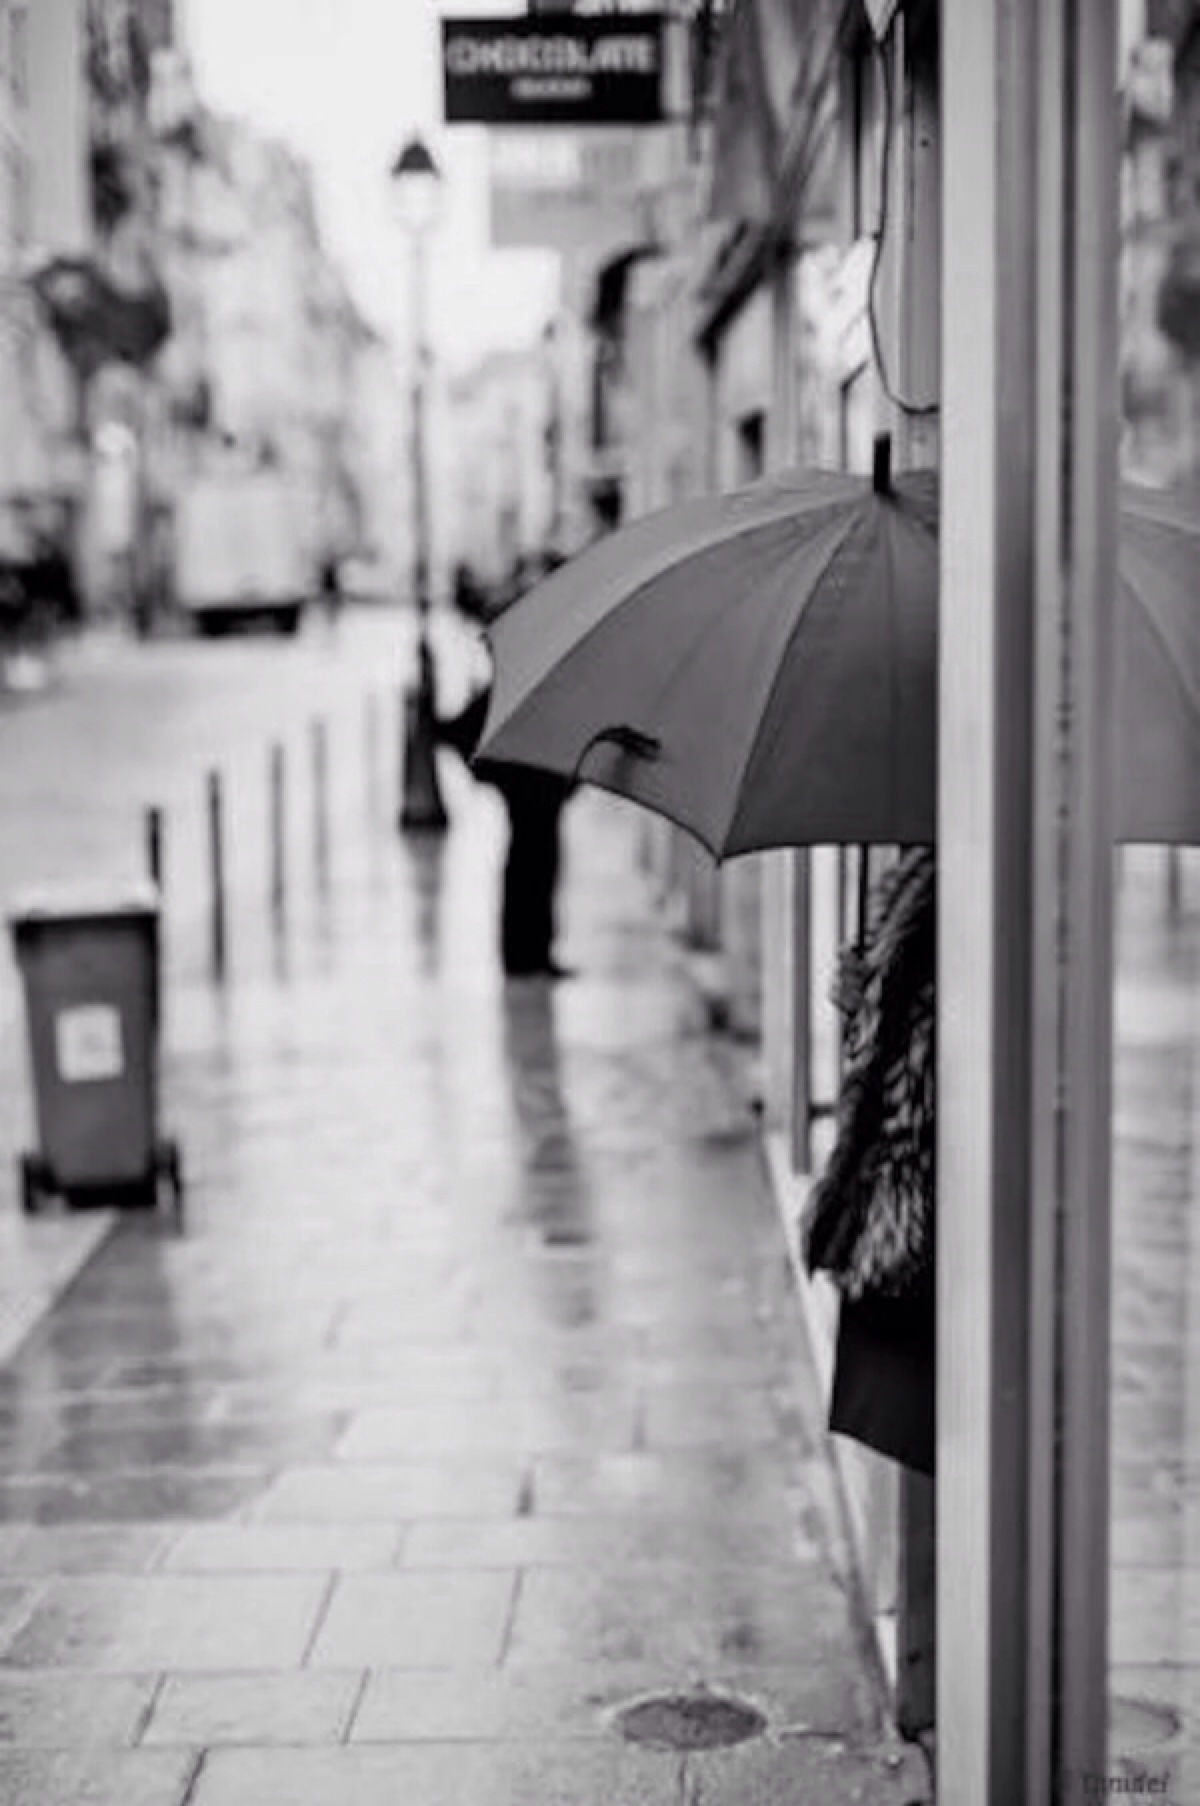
{"x":1154,"y":1610}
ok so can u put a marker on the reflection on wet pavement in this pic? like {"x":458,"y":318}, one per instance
{"x":1155,"y":1580}
{"x":471,"y":1405}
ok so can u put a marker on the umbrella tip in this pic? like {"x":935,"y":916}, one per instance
{"x":881,"y":469}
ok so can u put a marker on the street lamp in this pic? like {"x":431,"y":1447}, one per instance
{"x":416,"y":187}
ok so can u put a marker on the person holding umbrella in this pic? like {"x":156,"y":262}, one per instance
{"x":534,"y":801}
{"x":761,"y":668}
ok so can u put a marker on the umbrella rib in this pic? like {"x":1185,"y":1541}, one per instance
{"x":663,"y":564}
{"x":696,"y":650}
{"x":854,"y":523}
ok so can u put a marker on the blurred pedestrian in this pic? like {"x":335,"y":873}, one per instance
{"x":534,"y":802}
{"x":469,"y":598}
{"x":50,"y":581}
{"x":332,"y":595}
{"x":871,"y":1220}
{"x":12,"y":609}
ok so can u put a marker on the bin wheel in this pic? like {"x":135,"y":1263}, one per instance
{"x":32,"y":1176}
{"x":169,"y":1171}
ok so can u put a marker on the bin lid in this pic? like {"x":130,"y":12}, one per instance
{"x":85,"y":900}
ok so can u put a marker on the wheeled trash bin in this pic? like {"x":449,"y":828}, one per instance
{"x":89,"y":963}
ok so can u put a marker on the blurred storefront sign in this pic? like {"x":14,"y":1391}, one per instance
{"x":580,"y":190}
{"x":567,"y":71}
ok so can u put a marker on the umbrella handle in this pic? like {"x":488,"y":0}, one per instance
{"x":630,"y":740}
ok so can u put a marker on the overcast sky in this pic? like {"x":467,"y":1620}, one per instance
{"x":345,"y":81}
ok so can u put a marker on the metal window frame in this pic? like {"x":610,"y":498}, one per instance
{"x":1025,"y":980}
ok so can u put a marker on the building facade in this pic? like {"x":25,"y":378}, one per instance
{"x":500,"y":424}
{"x":270,"y":364}
{"x":43,"y":201}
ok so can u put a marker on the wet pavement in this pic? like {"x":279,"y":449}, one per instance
{"x":1155,"y":1422}
{"x":471,"y":1406}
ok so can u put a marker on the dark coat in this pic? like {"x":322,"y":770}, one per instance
{"x":870,"y":1223}
{"x":534,"y":800}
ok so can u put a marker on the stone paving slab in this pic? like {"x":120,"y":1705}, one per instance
{"x":204,"y":1711}
{"x":439,"y":1775}
{"x":436,"y":1619}
{"x":71,"y":1711}
{"x":30,"y":1550}
{"x":387,"y":1492}
{"x":283,"y":1548}
{"x":164,"y":1622}
{"x":693,"y":1615}
{"x":543,"y":1540}
{"x":97,"y":1777}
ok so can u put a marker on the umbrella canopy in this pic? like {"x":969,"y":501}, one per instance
{"x":761,"y":667}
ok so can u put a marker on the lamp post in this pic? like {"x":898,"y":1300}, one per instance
{"x":416,"y":183}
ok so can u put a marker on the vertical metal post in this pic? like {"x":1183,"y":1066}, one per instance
{"x":153,"y":829}
{"x":988,"y":821}
{"x":422,"y":809}
{"x":802,"y":1083}
{"x":218,"y":947}
{"x":1090,"y":429}
{"x":1025,"y":840}
{"x":1174,"y":883}
{"x":320,"y":797}
{"x":154,"y":846}
{"x":556,"y":526}
{"x":277,"y":793}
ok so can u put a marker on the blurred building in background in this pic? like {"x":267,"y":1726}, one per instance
{"x":166,"y":303}
{"x":499,"y":427}
{"x":43,"y":203}
{"x":271,"y":366}
{"x":1160,"y":262}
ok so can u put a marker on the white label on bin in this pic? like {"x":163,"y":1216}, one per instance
{"x":88,"y":1043}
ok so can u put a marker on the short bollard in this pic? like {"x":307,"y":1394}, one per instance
{"x":277,"y":781}
{"x":1174,"y":882}
{"x":153,"y":827}
{"x":401,"y":735}
{"x":154,"y":846}
{"x":320,"y":800}
{"x":218,"y":946}
{"x":422,"y":810}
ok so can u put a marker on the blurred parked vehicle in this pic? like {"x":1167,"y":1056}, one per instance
{"x":366,"y":578}
{"x":242,"y":553}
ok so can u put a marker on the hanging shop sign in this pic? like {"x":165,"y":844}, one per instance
{"x":554,"y":70}
{"x":575,"y":190}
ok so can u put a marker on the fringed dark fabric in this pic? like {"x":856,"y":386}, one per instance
{"x":870,"y":1221}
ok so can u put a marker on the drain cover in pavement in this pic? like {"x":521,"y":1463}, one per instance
{"x":690,"y":1721}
